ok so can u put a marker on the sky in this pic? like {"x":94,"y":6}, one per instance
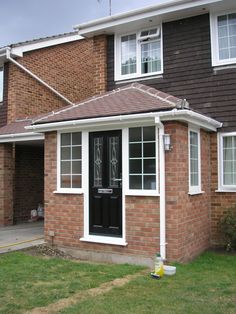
{"x":29,"y":19}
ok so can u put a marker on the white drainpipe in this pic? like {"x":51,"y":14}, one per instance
{"x":8,"y":56}
{"x":162,"y":190}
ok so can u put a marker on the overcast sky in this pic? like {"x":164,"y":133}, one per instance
{"x":27,"y":19}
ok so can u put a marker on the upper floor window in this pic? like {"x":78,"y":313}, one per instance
{"x":223,"y":38}
{"x":139,"y":54}
{"x":1,"y":84}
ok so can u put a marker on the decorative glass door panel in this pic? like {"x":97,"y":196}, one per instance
{"x":105,"y":184}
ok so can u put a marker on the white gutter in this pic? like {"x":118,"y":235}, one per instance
{"x":187,"y":116}
{"x":143,"y":13}
{"x":162,"y":189}
{"x":8,"y":57}
{"x":21,"y":137}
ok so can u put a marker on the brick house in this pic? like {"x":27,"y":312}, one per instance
{"x":35,"y":77}
{"x":148,"y":164}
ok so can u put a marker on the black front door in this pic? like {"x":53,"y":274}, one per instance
{"x":105,"y":186}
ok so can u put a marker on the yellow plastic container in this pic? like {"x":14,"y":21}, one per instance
{"x":159,"y":266}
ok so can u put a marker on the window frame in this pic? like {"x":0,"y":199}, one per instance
{"x":2,"y":85}
{"x":141,"y":192}
{"x":117,"y":59}
{"x":194,"y":189}
{"x":59,"y":188}
{"x":221,"y":186}
{"x":214,"y":40}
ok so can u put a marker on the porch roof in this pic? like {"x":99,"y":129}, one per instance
{"x":131,"y":99}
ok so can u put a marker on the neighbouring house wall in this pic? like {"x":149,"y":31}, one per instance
{"x":188,"y":72}
{"x":6,"y":183}
{"x":187,"y":216}
{"x":221,"y":201}
{"x":64,"y":214}
{"x":29,"y":180}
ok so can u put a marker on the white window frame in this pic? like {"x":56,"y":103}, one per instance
{"x":222,"y":187}
{"x":214,"y":40}
{"x":139,"y":192}
{"x":196,"y":189}
{"x":59,"y":188}
{"x":2,"y":85}
{"x":138,"y":74}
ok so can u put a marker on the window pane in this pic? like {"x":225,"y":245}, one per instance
{"x":135,"y":134}
{"x":150,"y":54}
{"x":227,"y":36}
{"x":194,"y":159}
{"x":1,"y":84}
{"x":76,"y":138}
{"x":149,"y":150}
{"x":135,"y":150}
{"x":76,"y":167}
{"x":65,"y":139}
{"x":65,"y":181}
{"x":149,"y":133}
{"x":65,"y":153}
{"x":135,"y":166}
{"x":229,"y":160}
{"x":76,"y":181}
{"x":76,"y":152}
{"x":135,"y":182}
{"x":128,"y":54}
{"x":98,"y":153}
{"x":149,"y":182}
{"x":65,"y":167}
{"x":149,"y":166}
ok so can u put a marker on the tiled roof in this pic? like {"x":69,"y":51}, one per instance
{"x":131,"y":99}
{"x":39,"y":40}
{"x":15,"y":127}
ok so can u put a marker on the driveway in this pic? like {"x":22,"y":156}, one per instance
{"x":21,"y":236}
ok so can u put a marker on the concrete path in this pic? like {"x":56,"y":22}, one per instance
{"x":21,"y":236}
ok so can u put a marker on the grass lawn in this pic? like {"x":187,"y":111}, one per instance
{"x":29,"y":281}
{"x":207,"y":285}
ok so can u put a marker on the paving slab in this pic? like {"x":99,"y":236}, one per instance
{"x":21,"y":236}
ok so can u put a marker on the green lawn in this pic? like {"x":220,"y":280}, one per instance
{"x":29,"y":281}
{"x":207,"y":285}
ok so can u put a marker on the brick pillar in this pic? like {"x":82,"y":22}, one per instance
{"x":100,"y":64}
{"x":6,"y":183}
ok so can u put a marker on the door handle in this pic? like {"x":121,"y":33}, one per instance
{"x":117,"y":180}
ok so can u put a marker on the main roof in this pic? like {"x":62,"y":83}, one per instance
{"x":131,"y":99}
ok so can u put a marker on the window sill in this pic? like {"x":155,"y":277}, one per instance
{"x":79,"y":191}
{"x":225,"y":191}
{"x":138,"y":78}
{"x":196,"y":192}
{"x":141,"y":193}
{"x":104,"y":240}
{"x":222,"y":67}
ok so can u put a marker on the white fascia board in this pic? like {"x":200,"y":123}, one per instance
{"x":144,"y":13}
{"x":187,"y":116}
{"x":19,"y":51}
{"x":192,"y":117}
{"x":21,"y":137}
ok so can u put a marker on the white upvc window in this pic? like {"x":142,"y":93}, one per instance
{"x":227,"y":161}
{"x":69,"y":162}
{"x":139,"y":54}
{"x":194,"y":161}
{"x":223,"y":38}
{"x":142,"y":161}
{"x":1,"y":84}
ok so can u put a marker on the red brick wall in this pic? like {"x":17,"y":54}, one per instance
{"x":188,"y":216}
{"x":29,"y":180}
{"x":220,"y":201}
{"x":6,"y":183}
{"x":100,"y":63}
{"x":67,"y":67}
{"x":65,"y":214}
